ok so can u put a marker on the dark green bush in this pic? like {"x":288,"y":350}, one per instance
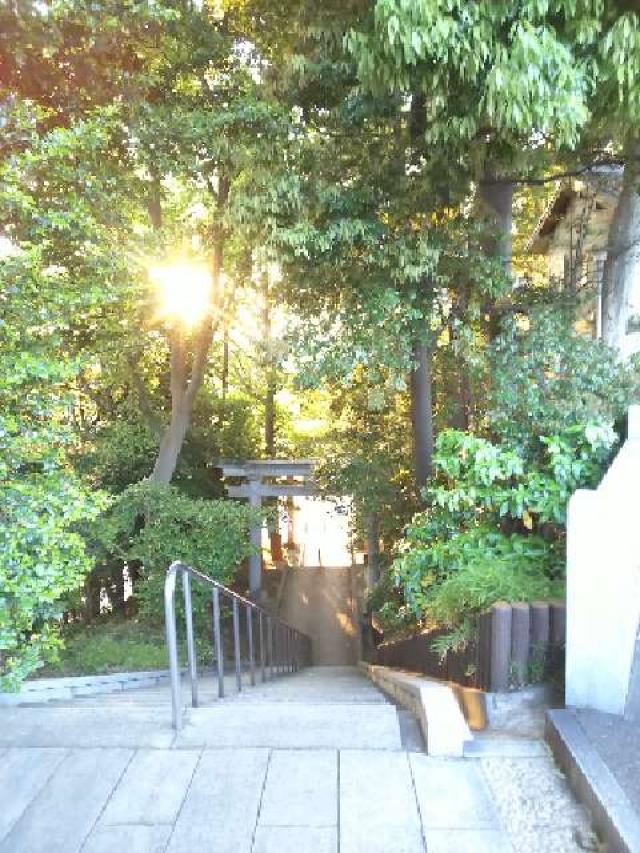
{"x":157,"y":524}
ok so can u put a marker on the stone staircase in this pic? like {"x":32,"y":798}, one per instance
{"x":331,"y":707}
{"x":324,"y":603}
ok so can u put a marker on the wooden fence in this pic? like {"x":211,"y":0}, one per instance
{"x":514,"y":645}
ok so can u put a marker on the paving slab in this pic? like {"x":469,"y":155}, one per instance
{"x":283,"y":725}
{"x":62,"y":815}
{"x":452,"y":794}
{"x":611,"y":809}
{"x":617,"y":742}
{"x":220,"y":811}
{"x":153,"y":787}
{"x":23,"y":773}
{"x":301,"y":789}
{"x":378,"y":808}
{"x":133,"y":839}
{"x":468,"y":841}
{"x":295,"y":839}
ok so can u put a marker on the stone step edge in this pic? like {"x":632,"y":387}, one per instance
{"x":433,"y":703}
{"x":593,"y":783}
{"x":44,"y":690}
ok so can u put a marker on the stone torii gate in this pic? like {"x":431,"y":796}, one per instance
{"x":263,"y":478}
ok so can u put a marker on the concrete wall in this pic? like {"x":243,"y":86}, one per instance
{"x":603,"y":583}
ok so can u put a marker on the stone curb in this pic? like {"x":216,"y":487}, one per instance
{"x":432,"y":702}
{"x":593,"y":783}
{"x":43,"y":690}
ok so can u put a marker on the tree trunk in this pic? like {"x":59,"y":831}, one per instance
{"x":421,"y":378}
{"x":373,"y":549}
{"x":171,"y":444}
{"x":270,"y":393}
{"x":422,"y":413}
{"x":622,"y":264}
{"x":225,"y":364}
{"x":183,"y":389}
{"x":496,"y":205}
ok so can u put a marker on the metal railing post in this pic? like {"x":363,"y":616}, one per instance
{"x":292,"y":650}
{"x":287,"y":650}
{"x":252,"y":667}
{"x":191,"y":646}
{"x":262,"y":647}
{"x":217,"y":639}
{"x":236,"y":643}
{"x":271,"y":643}
{"x":282,"y":647}
{"x":172,"y":644}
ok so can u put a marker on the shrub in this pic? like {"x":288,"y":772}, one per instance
{"x":157,"y":524}
{"x":494,"y":526}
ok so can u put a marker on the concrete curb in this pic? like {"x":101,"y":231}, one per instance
{"x":43,"y":690}
{"x":614,"y":817}
{"x":432,"y":702}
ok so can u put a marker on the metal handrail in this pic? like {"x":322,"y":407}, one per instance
{"x":283,"y":650}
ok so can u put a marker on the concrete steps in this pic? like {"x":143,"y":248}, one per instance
{"x":320,"y":707}
{"x":322,"y":603}
{"x":281,"y":725}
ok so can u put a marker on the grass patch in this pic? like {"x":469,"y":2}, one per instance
{"x":107,"y":646}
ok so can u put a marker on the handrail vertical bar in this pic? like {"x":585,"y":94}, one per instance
{"x":217,"y":640}
{"x":285,"y":632}
{"x":290,"y":635}
{"x":191,"y":646}
{"x":294,"y":640}
{"x":262,"y":646}
{"x":252,"y":666}
{"x":282,"y":647}
{"x":279,"y":644}
{"x":276,"y":646}
{"x":236,"y":643}
{"x":271,"y":643}
{"x":172,"y":645}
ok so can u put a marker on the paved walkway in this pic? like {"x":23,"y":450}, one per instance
{"x":311,"y":762}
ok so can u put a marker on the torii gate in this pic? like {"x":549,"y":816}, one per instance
{"x":255,"y":471}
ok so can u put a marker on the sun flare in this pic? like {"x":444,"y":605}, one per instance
{"x":184,"y":292}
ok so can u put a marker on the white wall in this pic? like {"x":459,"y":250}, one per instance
{"x":603,"y":582}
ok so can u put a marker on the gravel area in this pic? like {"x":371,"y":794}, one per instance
{"x":617,"y":741}
{"x":536,"y":806}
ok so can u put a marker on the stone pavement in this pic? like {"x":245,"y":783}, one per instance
{"x":310,"y":762}
{"x":617,"y":742}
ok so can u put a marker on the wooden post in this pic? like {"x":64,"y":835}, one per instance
{"x":540,"y":624}
{"x":558,"y":623}
{"x":520,"y":641}
{"x":500,"y":646}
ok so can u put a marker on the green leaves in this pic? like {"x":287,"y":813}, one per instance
{"x":481,"y":65}
{"x":42,"y":503}
{"x":157,"y":524}
{"x":494,"y":526}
